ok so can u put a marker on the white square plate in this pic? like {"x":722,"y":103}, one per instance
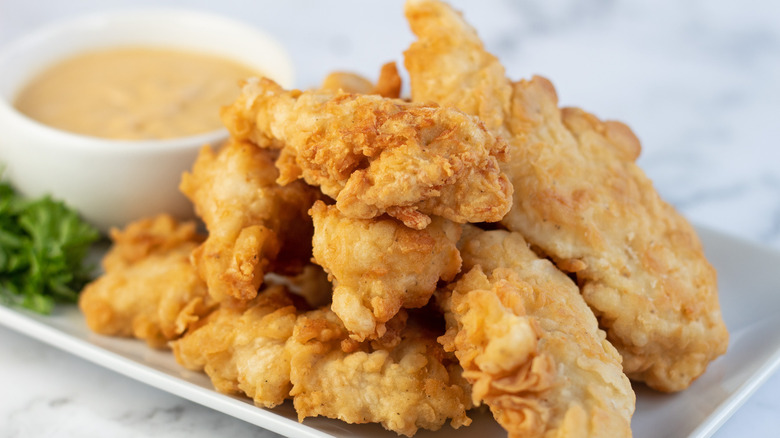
{"x":749,"y":296}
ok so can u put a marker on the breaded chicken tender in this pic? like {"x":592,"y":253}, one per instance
{"x":449,"y":65}
{"x":243,"y":350}
{"x":346,"y":82}
{"x":388,"y":84}
{"x":254,"y":224}
{"x":530,"y":346}
{"x":379,"y":266}
{"x":405,"y":383}
{"x":145,"y":236}
{"x":581,"y":199}
{"x":375,"y":155}
{"x":149,"y":288}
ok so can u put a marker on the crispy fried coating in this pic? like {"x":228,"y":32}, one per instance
{"x":388,"y":84}
{"x":342,"y":81}
{"x":449,"y":65}
{"x":379,"y":266}
{"x":243,"y":350}
{"x":146,"y":236}
{"x":580,"y":197}
{"x":376,"y":155}
{"x":149,"y":289}
{"x":254,"y":224}
{"x":530,"y":346}
{"x":405,"y":382}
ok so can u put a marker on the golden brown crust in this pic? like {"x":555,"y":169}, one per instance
{"x":379,"y":266}
{"x":468,"y":78}
{"x":146,"y":236}
{"x":639,"y":263}
{"x":255,"y":225}
{"x":388,"y":84}
{"x":376,"y":155}
{"x":243,"y":349}
{"x":346,"y":82}
{"x":404,"y":383}
{"x":530,"y":345}
{"x":580,"y":198}
{"x":149,"y":289}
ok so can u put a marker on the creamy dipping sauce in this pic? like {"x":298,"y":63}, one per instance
{"x":134,"y":93}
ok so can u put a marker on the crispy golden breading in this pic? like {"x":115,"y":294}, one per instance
{"x":379,"y":266}
{"x":405,"y":383}
{"x":530,"y":346}
{"x":346,"y":82}
{"x":149,"y":289}
{"x":145,"y":236}
{"x":243,"y":351}
{"x":449,"y":65}
{"x":254,"y":224}
{"x":376,"y":155}
{"x":388,"y":84}
{"x":581,"y":199}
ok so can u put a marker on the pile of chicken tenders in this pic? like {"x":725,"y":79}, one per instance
{"x":401,"y":261}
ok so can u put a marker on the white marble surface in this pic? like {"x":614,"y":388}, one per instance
{"x":699,"y":82}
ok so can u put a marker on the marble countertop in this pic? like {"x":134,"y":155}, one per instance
{"x":698,"y":81}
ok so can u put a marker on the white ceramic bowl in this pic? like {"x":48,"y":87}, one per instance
{"x":113,"y":182}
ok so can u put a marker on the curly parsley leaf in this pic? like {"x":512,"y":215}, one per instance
{"x":43,"y":244}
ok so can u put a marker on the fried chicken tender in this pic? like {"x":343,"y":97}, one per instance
{"x":243,"y":350}
{"x":376,"y":155}
{"x":405,"y":382}
{"x":145,"y":236}
{"x":379,"y":266}
{"x":341,"y":81}
{"x":149,"y":289}
{"x":449,"y":65}
{"x":581,"y":199}
{"x":254,"y":224}
{"x":388,"y":84}
{"x":530,"y":346}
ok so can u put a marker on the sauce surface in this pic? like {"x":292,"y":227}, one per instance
{"x":134,"y":93}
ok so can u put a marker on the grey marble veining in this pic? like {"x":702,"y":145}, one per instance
{"x":698,"y":81}
{"x":50,"y":393}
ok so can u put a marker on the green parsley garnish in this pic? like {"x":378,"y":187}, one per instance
{"x":42,"y":248}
